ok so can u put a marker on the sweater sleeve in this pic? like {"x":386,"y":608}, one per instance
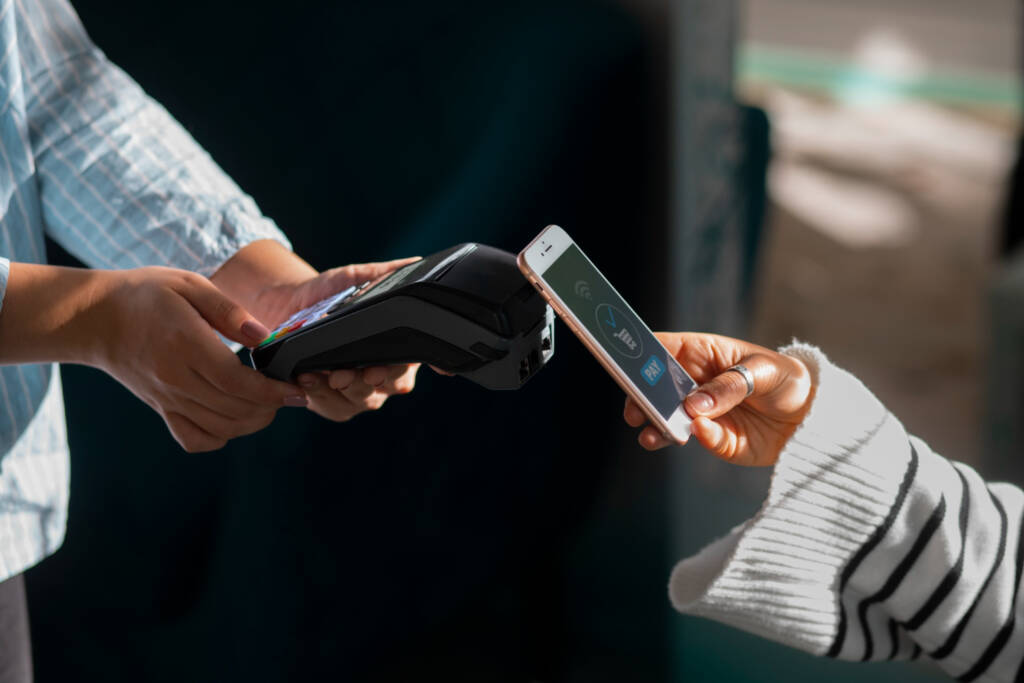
{"x":870,"y":546}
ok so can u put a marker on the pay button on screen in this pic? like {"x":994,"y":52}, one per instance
{"x":653,"y":370}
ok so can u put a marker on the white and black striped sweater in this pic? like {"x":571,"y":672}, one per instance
{"x":870,"y":546}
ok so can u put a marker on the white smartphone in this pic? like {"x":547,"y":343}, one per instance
{"x":609,"y":327}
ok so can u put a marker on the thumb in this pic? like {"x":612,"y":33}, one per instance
{"x":224,"y":314}
{"x":358,"y":273}
{"x":728,"y":389}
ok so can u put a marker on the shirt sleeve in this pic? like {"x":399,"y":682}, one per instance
{"x":870,"y":546}
{"x":122,"y":183}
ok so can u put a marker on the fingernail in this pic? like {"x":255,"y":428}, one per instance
{"x":307,"y":381}
{"x":701,"y":402}
{"x":296,"y":401}
{"x":255,"y":331}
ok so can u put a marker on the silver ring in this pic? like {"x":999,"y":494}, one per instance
{"x":747,"y":375}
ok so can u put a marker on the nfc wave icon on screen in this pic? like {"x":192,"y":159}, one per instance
{"x":582,"y":289}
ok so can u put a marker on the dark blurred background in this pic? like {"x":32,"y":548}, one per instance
{"x":457,"y":534}
{"x":465,"y":535}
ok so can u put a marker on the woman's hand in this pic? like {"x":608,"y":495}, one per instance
{"x":152,"y":329}
{"x":745,"y":430}
{"x":342,"y":394}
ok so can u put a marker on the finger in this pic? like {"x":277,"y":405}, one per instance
{"x":234,"y":379}
{"x":337,"y":405}
{"x":360,"y":272}
{"x":405,"y":381}
{"x":358,"y":391}
{"x":225,"y":427}
{"x":632,"y":413}
{"x":728,"y":389}
{"x":318,"y":389}
{"x":234,"y":407}
{"x":190,"y":436}
{"x":313,"y":383}
{"x":183,"y":382}
{"x":377,"y":375}
{"x":651,"y":439}
{"x":337,"y":279}
{"x":223,"y":313}
{"x":442,"y":372}
{"x":340,"y":379}
{"x":704,"y":356}
{"x":400,"y":379}
{"x":722,"y":438}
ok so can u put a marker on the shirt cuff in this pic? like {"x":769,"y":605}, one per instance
{"x":777,"y":575}
{"x":5,"y":272}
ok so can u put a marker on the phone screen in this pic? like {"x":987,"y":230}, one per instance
{"x":619,"y":331}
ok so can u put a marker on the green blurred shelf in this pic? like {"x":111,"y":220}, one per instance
{"x":822,"y":71}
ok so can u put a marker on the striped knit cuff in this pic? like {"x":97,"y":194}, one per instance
{"x":777,"y":575}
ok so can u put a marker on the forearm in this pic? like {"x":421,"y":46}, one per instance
{"x":44,"y":316}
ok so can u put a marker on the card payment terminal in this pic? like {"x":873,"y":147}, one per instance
{"x":466,"y":310}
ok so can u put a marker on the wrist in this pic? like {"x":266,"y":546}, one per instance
{"x":260,"y":274}
{"x":48,"y":314}
{"x":92,"y":323}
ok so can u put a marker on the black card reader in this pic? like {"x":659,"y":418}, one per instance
{"x":466,"y":310}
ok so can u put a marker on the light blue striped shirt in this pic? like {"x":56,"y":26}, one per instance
{"x":91,"y":161}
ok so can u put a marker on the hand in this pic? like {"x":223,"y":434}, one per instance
{"x":154,"y":332}
{"x":339,"y":395}
{"x":736,"y":428}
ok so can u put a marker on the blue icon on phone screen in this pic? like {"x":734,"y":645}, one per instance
{"x":621,"y":336}
{"x":653,"y":370}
